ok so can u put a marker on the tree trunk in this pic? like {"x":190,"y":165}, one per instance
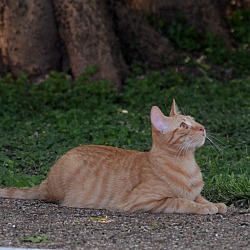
{"x":39,"y":36}
{"x":89,"y":39}
{"x":3,"y":60}
{"x":28,"y":38}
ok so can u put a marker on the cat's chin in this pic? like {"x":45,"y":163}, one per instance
{"x":201,"y":142}
{"x":197,"y":144}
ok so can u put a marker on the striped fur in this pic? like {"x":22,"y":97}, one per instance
{"x":165,"y":179}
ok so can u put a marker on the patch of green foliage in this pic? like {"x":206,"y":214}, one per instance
{"x":184,"y":36}
{"x":39,"y":123}
{"x":35,"y":239}
{"x":239,"y":22}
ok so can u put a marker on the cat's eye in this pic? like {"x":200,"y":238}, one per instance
{"x":184,"y":125}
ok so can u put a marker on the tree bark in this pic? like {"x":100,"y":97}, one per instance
{"x":28,"y":38}
{"x":3,"y":63}
{"x":89,"y":39}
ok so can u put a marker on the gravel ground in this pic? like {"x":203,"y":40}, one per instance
{"x":68,"y":228}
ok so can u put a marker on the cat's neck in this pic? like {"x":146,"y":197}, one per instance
{"x":167,"y":156}
{"x":171,"y":152}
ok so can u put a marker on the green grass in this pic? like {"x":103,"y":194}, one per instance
{"x":39,"y":123}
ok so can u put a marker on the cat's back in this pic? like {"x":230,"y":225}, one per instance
{"x":99,"y":155}
{"x":94,"y":159}
{"x":106,"y":150}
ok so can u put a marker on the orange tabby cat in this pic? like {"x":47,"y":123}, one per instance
{"x":165,"y":179}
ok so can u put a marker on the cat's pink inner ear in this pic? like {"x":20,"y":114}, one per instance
{"x":174,"y":109}
{"x":158,"y":119}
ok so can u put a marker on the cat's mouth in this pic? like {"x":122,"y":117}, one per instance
{"x":204,"y":133}
{"x":201,"y":138}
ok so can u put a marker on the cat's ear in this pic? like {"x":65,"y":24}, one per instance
{"x":174,"y":109}
{"x":158,"y":119}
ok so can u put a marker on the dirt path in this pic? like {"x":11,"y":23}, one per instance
{"x":67,"y":228}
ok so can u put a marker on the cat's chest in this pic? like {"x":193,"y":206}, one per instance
{"x":192,"y":187}
{"x":185,"y":182}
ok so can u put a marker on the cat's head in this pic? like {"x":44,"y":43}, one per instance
{"x":177,"y":132}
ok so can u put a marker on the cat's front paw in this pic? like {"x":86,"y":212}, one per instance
{"x":222,"y":208}
{"x":208,"y":209}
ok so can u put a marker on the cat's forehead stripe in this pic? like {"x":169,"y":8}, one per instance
{"x":186,"y":118}
{"x":187,"y":122}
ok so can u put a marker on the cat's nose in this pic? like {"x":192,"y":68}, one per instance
{"x":202,"y":129}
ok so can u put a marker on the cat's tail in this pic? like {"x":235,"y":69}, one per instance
{"x":33,"y":193}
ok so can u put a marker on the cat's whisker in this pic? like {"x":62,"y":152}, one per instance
{"x":214,"y":144}
{"x":179,"y":153}
{"x":183,"y":149}
{"x":215,"y":138}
